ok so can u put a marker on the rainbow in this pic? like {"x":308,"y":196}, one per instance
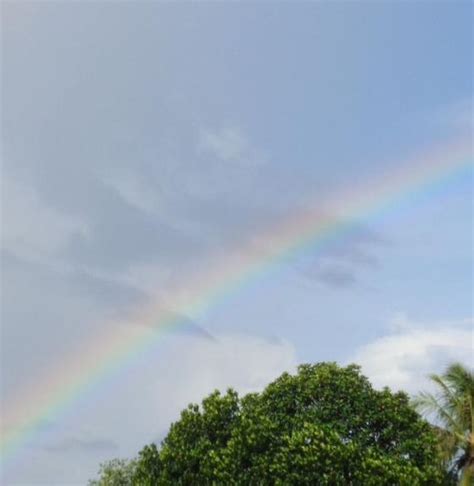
{"x":311,"y":229}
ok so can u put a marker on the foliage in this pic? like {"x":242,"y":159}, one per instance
{"x":325,"y":425}
{"x":453,"y":407}
{"x":117,"y":472}
{"x":147,"y":467}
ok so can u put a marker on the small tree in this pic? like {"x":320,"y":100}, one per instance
{"x":117,"y":472}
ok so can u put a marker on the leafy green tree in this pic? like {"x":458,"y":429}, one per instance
{"x":453,"y":406}
{"x":325,"y":425}
{"x":117,"y":472}
{"x":191,"y":452}
{"x":147,"y":469}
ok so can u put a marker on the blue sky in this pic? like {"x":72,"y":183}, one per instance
{"x":143,"y":141}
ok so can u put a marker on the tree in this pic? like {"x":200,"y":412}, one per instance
{"x":453,"y":407}
{"x":117,"y":472}
{"x":147,"y":468}
{"x":325,"y":425}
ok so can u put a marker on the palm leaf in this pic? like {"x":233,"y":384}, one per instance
{"x":453,"y":408}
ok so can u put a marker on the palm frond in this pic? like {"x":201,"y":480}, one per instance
{"x":426,"y":403}
{"x":453,"y":408}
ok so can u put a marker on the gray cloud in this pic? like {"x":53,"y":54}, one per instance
{"x":90,"y":446}
{"x":338,"y":264}
{"x":333,"y":275}
{"x":109,"y":293}
{"x":358,"y":247}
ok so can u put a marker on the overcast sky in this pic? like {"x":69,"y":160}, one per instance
{"x":141,"y":142}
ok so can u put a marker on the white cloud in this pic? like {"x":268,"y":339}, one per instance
{"x":186,"y":370}
{"x":411,"y":351}
{"x":133,"y":189}
{"x":246,"y":363}
{"x":230,"y":145}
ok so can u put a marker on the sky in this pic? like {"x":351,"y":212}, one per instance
{"x":142,"y":142}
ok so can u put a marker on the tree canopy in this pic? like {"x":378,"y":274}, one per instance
{"x":324,"y":425}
